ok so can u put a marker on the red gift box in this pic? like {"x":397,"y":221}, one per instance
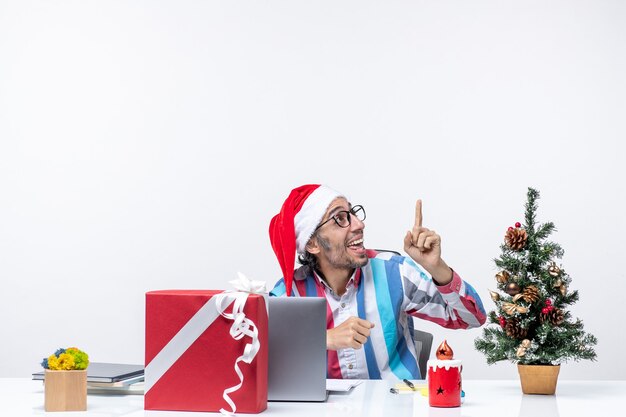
{"x":191,"y":355}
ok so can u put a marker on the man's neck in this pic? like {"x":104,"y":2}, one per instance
{"x":336,"y":278}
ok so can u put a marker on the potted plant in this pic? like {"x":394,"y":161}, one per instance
{"x":531,"y":325}
{"x":65,"y":380}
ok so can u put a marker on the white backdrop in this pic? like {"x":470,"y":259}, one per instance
{"x":145,"y":145}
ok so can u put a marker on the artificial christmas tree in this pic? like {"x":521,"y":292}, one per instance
{"x":533,"y":327}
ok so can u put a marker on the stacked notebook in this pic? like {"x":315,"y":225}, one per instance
{"x":111,"y":378}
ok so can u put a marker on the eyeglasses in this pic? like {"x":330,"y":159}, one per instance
{"x":343,"y":217}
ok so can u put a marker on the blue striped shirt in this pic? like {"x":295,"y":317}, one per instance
{"x":388,"y":291}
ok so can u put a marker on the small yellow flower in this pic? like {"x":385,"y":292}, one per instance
{"x":53,"y":363}
{"x":66,"y":362}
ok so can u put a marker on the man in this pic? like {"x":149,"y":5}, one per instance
{"x":371,"y":298}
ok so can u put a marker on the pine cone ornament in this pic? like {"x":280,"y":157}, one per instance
{"x":516,"y":238}
{"x":513,"y":329}
{"x":553,"y":315}
{"x":530,"y":294}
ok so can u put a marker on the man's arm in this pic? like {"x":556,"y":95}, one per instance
{"x":446,"y":299}
{"x":455,"y":305}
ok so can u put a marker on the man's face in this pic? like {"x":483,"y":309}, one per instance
{"x":341,"y":247}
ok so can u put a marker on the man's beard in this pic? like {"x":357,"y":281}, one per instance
{"x":338,"y":256}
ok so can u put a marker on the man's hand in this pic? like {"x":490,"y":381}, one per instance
{"x":352,"y":333}
{"x":424,"y":247}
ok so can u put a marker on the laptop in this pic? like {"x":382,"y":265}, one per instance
{"x":297,"y":349}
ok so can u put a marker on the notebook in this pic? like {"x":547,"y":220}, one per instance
{"x":297,"y":349}
{"x":107,"y":372}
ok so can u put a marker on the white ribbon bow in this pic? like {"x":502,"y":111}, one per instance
{"x":248,"y":285}
{"x":241,"y":327}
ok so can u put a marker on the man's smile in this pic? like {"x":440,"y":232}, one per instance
{"x":356,"y":245}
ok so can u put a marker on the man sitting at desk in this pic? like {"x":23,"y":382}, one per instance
{"x":371,"y":298}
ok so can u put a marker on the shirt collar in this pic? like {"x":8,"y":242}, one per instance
{"x":354,"y":280}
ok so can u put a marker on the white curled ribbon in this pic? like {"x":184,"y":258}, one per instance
{"x":241,"y":327}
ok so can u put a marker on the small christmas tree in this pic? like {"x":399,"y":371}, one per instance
{"x":533,"y":326}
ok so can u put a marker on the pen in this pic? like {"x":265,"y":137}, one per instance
{"x":393,"y":391}
{"x":409,"y":384}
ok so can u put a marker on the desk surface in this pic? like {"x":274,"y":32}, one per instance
{"x":24,"y":397}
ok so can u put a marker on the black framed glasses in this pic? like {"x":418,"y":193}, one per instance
{"x":343,"y":218}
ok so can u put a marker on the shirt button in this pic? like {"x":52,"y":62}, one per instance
{"x":343,"y":305}
{"x":350,"y":366}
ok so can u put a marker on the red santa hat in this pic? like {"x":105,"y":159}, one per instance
{"x":291,"y":229}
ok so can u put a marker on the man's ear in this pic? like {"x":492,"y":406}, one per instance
{"x":312,"y":246}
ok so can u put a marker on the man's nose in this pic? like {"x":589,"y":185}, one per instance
{"x":356,"y":224}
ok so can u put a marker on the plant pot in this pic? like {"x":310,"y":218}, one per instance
{"x":65,"y":390}
{"x":538,"y":379}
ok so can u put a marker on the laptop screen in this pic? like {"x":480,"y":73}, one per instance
{"x":297,"y":349}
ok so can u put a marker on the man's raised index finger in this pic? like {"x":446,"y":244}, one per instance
{"x":418,"y":213}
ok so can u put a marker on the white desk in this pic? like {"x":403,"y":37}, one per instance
{"x":24,"y":397}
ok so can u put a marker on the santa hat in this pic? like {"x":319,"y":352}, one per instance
{"x":291,"y":229}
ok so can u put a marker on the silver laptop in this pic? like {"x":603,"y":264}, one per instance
{"x":297,"y":349}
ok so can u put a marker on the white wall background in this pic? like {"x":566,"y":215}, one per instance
{"x":146,"y":145}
